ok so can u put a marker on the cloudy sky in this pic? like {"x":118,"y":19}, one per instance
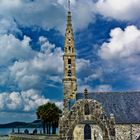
{"x":107,"y":39}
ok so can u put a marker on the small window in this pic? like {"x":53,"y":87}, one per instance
{"x":69,"y":61}
{"x":69,"y":48}
{"x":69,"y":72}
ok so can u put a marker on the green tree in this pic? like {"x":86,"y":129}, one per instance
{"x":49,"y":115}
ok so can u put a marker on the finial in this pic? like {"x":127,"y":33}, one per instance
{"x":69,"y":5}
{"x":86,"y":93}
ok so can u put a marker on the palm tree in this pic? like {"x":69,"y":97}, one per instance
{"x":49,"y":115}
{"x":54,"y":116}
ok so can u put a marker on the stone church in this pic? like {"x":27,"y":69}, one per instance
{"x":95,"y":116}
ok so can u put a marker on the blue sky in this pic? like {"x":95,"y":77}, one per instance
{"x":107,"y":38}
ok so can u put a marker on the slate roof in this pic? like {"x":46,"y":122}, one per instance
{"x":124,"y":105}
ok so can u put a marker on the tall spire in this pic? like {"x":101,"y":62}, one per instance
{"x":69,"y":80}
{"x":69,"y":15}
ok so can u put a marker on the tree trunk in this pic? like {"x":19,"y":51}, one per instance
{"x":49,"y":129}
{"x":44,"y":130}
{"x":47,"y":126}
{"x":53,"y":128}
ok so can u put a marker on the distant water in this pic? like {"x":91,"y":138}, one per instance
{"x":4,"y":138}
{"x":7,"y":131}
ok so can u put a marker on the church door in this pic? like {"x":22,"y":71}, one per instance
{"x":87,"y":132}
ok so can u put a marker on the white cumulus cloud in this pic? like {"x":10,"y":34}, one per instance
{"x":25,"y":101}
{"x":47,"y":14}
{"x":12,"y":49}
{"x":122,"y":44}
{"x":39,"y":13}
{"x":119,"y":9}
{"x":121,"y":55}
{"x":38,"y":68}
{"x":8,"y":25}
{"x":27,"y":71}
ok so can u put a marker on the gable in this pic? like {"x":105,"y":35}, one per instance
{"x":124,"y":105}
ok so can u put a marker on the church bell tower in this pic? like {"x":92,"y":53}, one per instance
{"x":69,"y":80}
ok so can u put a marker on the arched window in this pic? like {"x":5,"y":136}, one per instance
{"x":87,"y":110}
{"x":87,"y":132}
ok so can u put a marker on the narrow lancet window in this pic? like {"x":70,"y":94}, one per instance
{"x":87,"y":110}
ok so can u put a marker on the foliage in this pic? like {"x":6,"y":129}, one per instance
{"x":49,"y":114}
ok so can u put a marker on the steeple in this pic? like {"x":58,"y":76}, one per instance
{"x":69,"y":80}
{"x":69,"y":5}
{"x":69,"y":15}
{"x":69,"y":20}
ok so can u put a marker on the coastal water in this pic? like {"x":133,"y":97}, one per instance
{"x":4,"y":138}
{"x":7,"y":131}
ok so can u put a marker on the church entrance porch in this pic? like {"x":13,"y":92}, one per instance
{"x":87,"y":132}
{"x":83,"y":111}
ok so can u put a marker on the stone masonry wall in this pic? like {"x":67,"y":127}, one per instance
{"x":123,"y":131}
